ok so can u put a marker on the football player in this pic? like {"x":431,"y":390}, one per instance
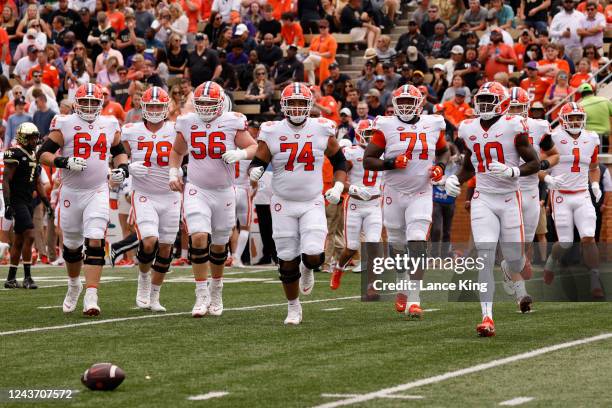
{"x":155,"y":208}
{"x":415,"y":151}
{"x":295,"y":146}
{"x":362,"y":211}
{"x":87,"y":140}
{"x":495,"y":143}
{"x":539,"y":137}
{"x":569,"y":192}
{"x":21,"y":179}
{"x":244,"y":209}
{"x":214,"y":140}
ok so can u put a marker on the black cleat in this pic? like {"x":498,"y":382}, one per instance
{"x":113,"y":256}
{"x":11,"y":284}
{"x":28,"y":283}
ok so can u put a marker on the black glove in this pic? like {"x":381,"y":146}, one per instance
{"x":8,"y":212}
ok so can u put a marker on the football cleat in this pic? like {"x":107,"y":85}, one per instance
{"x":113,"y":256}
{"x":11,"y":284}
{"x":334,"y":282}
{"x":181,"y":262}
{"x":294,"y":315}
{"x":216,"y":300}
{"x":415,"y":312}
{"x":400,"y":302}
{"x":143,"y":293}
{"x":525,"y":304}
{"x":28,"y":283}
{"x":154,"y":304}
{"x":307,"y":280}
{"x":90,"y":304}
{"x":486,"y":328}
{"x":58,"y":262}
{"x":200,"y":308}
{"x":72,"y":297}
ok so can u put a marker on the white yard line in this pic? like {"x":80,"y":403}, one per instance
{"x":208,"y":395}
{"x":516,"y":401}
{"x":464,"y":371}
{"x":158,"y":315}
{"x":49,"y":307}
{"x":332,"y":309}
{"x":400,"y":396}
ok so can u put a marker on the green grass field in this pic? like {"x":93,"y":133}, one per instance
{"x":343,"y":349}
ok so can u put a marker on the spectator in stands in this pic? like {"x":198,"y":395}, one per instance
{"x":338,"y":79}
{"x":228,"y":78}
{"x":80,"y":52}
{"x":503,"y":78}
{"x":358,"y":24}
{"x":32,"y":16}
{"x":485,"y":38}
{"x":176,"y":103}
{"x":112,"y":108}
{"x":104,"y":28}
{"x":379,"y":85}
{"x":420,"y":14}
{"x":418,"y":79}
{"x":592,"y":26}
{"x":126,"y":39}
{"x":331,"y":15}
{"x":76,"y":75}
{"x":533,"y":84}
{"x":177,"y":57}
{"x":391,"y":77}
{"x":270,"y":25}
{"x":439,"y":44}
{"x":427,"y":107}
{"x":253,"y":16}
{"x":85,"y":25}
{"x":229,"y":10}
{"x":497,"y":56}
{"x":9,"y":107}
{"x":384,"y":52}
{"x":328,"y":89}
{"x":187,"y":95}
{"x":373,"y":99}
{"x":179,"y":23}
{"x":150,"y":77}
{"x":583,"y":74}
{"x":550,"y":65}
{"x":119,"y":88}
{"x":590,"y":52}
{"x":237,"y":57}
{"x":405,"y":76}
{"x":109,"y":74}
{"x":326,"y":104}
{"x":23,"y":66}
{"x":58,"y":30}
{"x":107,"y":52}
{"x":503,"y":13}
{"x":535,"y":14}
{"x":599,"y":114}
{"x":520,"y":47}
{"x":433,"y":18}
{"x":451,"y":91}
{"x":563,"y":29}
{"x":9,"y":24}
{"x":30,"y":39}
{"x":245,"y":75}
{"x":533,"y":53}
{"x":558,"y":92}
{"x":352,"y":102}
{"x":345,"y":129}
{"x":472,"y":68}
{"x":366,"y":81}
{"x":43,"y":115}
{"x":69,"y":16}
{"x":454,"y":111}
{"x":321,"y":54}
{"x":267,"y":52}
{"x":455,"y":63}
{"x":135,"y":113}
{"x":65,"y":107}
{"x":411,"y":38}
{"x":37,"y":83}
{"x":143,"y":17}
{"x":215,"y":27}
{"x":15,"y":120}
{"x":203,"y":63}
{"x":439,"y":82}
{"x":242,"y":32}
{"x":261,"y":90}
{"x":417,"y":59}
{"x":291,"y":31}
{"x":362,"y":112}
{"x":475,"y":16}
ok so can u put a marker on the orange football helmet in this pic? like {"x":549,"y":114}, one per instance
{"x":572,"y":117}
{"x":155,"y":103}
{"x":364,"y":131}
{"x":407,"y":102}
{"x":492,"y":99}
{"x":88,"y":101}
{"x":296,"y":102}
{"x":208,"y":100}
{"x":519,"y":102}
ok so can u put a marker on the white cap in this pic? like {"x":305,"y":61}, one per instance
{"x":241,"y":29}
{"x":457,"y":49}
{"x":345,"y":111}
{"x":440,"y":67}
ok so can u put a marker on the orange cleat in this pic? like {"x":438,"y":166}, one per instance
{"x":334,"y":282}
{"x":415,"y":312}
{"x":44,"y":259}
{"x":400,"y":302}
{"x":486,"y":328}
{"x":180,"y":262}
{"x":34,"y":256}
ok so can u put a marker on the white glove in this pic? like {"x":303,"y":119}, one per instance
{"x":232,"y":156}
{"x":501,"y":170}
{"x":138,"y":169}
{"x":452,"y":186}
{"x":554,"y":183}
{"x":333,"y":194}
{"x":117,"y":175}
{"x":174,"y":174}
{"x":360,"y":192}
{"x":76,"y":164}
{"x":256,"y":173}
{"x":596,"y":190}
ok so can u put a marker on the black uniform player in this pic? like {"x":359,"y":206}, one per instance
{"x":21,"y":179}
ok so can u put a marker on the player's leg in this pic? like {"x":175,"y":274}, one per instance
{"x":372,"y":230}
{"x":244,"y":214}
{"x":530,"y":206}
{"x":70,"y":222}
{"x":352,"y":230}
{"x":26,"y":257}
{"x":313,"y":231}
{"x":124,"y":212}
{"x":563,"y":216}
{"x":485,"y":231}
{"x":14,"y":257}
{"x":586,"y":222}
{"x":146,"y":222}
{"x":119,"y":248}
{"x":394,"y":209}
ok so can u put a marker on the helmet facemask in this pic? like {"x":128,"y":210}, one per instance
{"x":407,"y":107}
{"x":573,"y":122}
{"x":27,"y":136}
{"x":208,"y":108}
{"x":154,"y":112}
{"x":88,"y":108}
{"x":364,"y":136}
{"x":521,"y":109}
{"x":296,"y":108}
{"x":487,"y":105}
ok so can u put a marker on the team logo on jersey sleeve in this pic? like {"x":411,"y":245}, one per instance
{"x":559,"y":200}
{"x":277,"y":207}
{"x":142,"y":199}
{"x":282,"y":138}
{"x":77,"y":128}
{"x":141,"y":138}
{"x":472,"y":138}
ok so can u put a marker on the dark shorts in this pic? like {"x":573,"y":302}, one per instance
{"x":22,"y":217}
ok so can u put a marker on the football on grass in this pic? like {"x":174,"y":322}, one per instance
{"x":103,"y":377}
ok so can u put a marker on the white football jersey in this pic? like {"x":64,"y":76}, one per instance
{"x":297,"y":156}
{"x":206,"y":142}
{"x":242,"y":177}
{"x":92,"y":142}
{"x":575,"y":157}
{"x":537,"y":129}
{"x":359,"y":176}
{"x":495,"y":144}
{"x":154,"y":150}
{"x":418,"y":141}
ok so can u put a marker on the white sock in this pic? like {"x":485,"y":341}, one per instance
{"x":216,"y":283}
{"x":155,"y":288}
{"x":519,"y":288}
{"x":243,"y":238}
{"x":74,"y":281}
{"x":294,"y":302}
{"x":414,"y":295}
{"x":144,"y":275}
{"x":403,"y":278}
{"x":91,"y":291}
{"x":201,"y":285}
{"x":487,"y":309}
{"x":184,"y":253}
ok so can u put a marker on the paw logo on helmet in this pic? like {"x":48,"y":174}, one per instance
{"x":296,"y":102}
{"x":88,"y":101}
{"x":208,"y":100}
{"x":155,"y":103}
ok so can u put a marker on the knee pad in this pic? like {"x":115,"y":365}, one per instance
{"x":94,"y":255}
{"x":218,"y":258}
{"x":73,"y":255}
{"x":162,"y":265}
{"x":289,"y":271}
{"x":417,"y":249}
{"x":311,"y":265}
{"x":145,"y":257}
{"x":197,"y":255}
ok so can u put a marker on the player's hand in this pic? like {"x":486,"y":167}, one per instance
{"x":232,"y":156}
{"x":452,"y":186}
{"x":334,"y":194}
{"x":176,"y":180}
{"x":436,"y":174}
{"x":360,"y":192}
{"x":8,"y":212}
{"x":118,"y":175}
{"x":501,"y":170}
{"x":76,"y":164}
{"x":554,"y":183}
{"x":596,"y":189}
{"x":401,"y":161}
{"x":256,"y":173}
{"x":138,"y":169}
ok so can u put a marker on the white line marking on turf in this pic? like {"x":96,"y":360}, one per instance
{"x":516,"y":401}
{"x":49,"y":307}
{"x":332,"y":309}
{"x":464,"y":371}
{"x":208,"y":395}
{"x":151,"y":316}
{"x":410,"y":397}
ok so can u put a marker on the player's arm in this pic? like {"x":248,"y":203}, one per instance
{"x":47,"y":154}
{"x":467,"y":170}
{"x":261,"y":159}
{"x":595,"y":174}
{"x":10,"y":166}
{"x":373,"y":152}
{"x":42,"y":194}
{"x":179,"y":149}
{"x":120,"y":160}
{"x":528,"y":154}
{"x":246,"y":148}
{"x":436,"y":173}
{"x":336,"y":157}
{"x":549,"y":155}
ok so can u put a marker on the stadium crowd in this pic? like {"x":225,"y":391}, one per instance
{"x":253,"y":48}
